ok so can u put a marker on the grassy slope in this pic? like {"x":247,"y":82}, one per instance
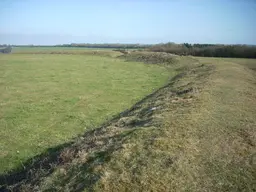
{"x":46,"y":100}
{"x":195,"y":134}
{"x":206,"y":144}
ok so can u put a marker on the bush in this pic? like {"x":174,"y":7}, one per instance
{"x":6,"y":50}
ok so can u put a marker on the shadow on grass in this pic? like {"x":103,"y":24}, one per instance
{"x":83,"y":174}
{"x":33,"y":170}
{"x":79,"y":176}
{"x":41,"y":162}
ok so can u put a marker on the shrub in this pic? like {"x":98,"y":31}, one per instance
{"x":6,"y":50}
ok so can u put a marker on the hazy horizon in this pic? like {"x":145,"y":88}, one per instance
{"x":143,"y":22}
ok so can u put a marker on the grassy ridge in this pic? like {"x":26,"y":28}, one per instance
{"x":206,"y":141}
{"x":48,"y":99}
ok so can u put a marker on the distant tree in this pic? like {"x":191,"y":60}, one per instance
{"x":187,"y":45}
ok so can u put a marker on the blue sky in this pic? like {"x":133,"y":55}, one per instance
{"x":127,"y":21}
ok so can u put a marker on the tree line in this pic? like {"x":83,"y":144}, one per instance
{"x":106,"y":45}
{"x":207,"y":50}
{"x":90,"y":45}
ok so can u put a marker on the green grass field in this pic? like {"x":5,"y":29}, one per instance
{"x":66,"y":51}
{"x":194,"y":131}
{"x":48,"y":49}
{"x":48,"y":99}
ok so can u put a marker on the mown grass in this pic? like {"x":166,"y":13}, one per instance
{"x":48,"y":99}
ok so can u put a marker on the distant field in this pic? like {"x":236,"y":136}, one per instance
{"x":30,"y":49}
{"x":65,"y":50}
{"x":47,"y":99}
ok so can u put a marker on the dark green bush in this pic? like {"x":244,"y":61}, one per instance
{"x":6,"y":50}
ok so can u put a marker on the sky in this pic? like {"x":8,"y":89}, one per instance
{"x":49,"y":22}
